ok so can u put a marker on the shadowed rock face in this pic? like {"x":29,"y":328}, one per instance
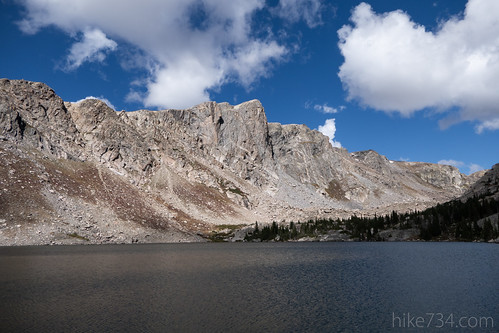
{"x":211,"y":164}
{"x":487,"y":185}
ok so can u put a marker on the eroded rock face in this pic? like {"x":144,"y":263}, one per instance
{"x":108,"y":140}
{"x":234,"y":136}
{"x":486,"y":184}
{"x":31,"y":112}
{"x":216,"y":163}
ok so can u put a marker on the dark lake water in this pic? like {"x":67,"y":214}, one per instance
{"x":250,"y":287}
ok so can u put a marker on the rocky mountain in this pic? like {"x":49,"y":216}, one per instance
{"x":82,"y":172}
{"x":487,"y":185}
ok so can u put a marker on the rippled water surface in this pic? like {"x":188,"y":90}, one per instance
{"x":351,"y":287}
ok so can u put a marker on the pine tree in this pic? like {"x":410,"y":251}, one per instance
{"x":488,"y":230}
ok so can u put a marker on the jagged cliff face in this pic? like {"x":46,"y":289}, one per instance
{"x":189,"y":169}
{"x":487,"y":185}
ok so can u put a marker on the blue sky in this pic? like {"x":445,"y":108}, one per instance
{"x":413,"y":80}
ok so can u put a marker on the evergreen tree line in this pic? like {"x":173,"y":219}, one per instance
{"x":451,"y":220}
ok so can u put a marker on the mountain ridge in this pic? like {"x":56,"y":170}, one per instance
{"x":195,"y":168}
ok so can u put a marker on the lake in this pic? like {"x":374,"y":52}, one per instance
{"x":250,"y":287}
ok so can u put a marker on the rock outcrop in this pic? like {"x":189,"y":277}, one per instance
{"x":180,"y":172}
{"x":487,"y":185}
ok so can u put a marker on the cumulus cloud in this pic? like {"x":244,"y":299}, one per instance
{"x":249,"y":62}
{"x":101,"y":98}
{"x":472,"y":167}
{"x":329,"y":130}
{"x":393,"y":64}
{"x":488,"y":125}
{"x":296,"y":10}
{"x":93,"y":47}
{"x":186,"y":47}
{"x":324,"y":108}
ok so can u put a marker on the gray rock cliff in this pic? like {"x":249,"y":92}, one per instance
{"x":191,"y":169}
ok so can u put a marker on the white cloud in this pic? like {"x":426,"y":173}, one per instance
{"x":296,"y":10}
{"x":395,"y":65}
{"x":105,"y":100}
{"x":329,"y":130}
{"x":324,"y":108}
{"x":472,"y":167}
{"x":187,"y":47}
{"x":92,"y":48}
{"x":252,"y":61}
{"x":182,"y":84}
{"x":488,"y":125}
{"x":453,"y":163}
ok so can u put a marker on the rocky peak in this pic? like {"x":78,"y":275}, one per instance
{"x":88,"y":114}
{"x":215,"y":162}
{"x":235,"y":136}
{"x":108,"y":140}
{"x":33,"y":113}
{"x":487,"y":183}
